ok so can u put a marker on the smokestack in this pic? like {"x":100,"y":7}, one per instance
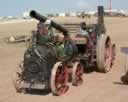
{"x":100,"y":15}
{"x":110,"y":4}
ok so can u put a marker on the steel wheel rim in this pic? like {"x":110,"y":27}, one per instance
{"x":61,"y":79}
{"x":17,"y":78}
{"x":77,"y":74}
{"x":18,"y":82}
{"x":108,"y":56}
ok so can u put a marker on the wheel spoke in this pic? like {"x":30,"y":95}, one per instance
{"x":77,"y":77}
{"x":61,"y":77}
{"x":108,"y":56}
{"x":18,"y":78}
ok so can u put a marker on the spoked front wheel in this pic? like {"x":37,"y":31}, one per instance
{"x":17,"y":78}
{"x":77,"y":74}
{"x":59,"y":79}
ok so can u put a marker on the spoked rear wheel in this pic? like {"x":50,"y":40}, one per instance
{"x":59,"y":79}
{"x":77,"y":73}
{"x":104,"y":53}
{"x":108,"y":55}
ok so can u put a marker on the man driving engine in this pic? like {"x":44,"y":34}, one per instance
{"x":82,"y":31}
{"x":44,"y":32}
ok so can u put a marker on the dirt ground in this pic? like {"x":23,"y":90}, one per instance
{"x":97,"y":87}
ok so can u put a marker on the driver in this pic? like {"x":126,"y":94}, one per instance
{"x":44,"y":32}
{"x":83,"y":30}
{"x":43,"y":28}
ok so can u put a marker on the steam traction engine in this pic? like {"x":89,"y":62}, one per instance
{"x":49,"y":63}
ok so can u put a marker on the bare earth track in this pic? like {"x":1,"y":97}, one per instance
{"x":97,"y":87}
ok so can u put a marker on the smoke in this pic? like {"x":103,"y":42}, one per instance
{"x":83,"y":4}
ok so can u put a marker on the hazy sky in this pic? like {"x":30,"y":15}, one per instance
{"x":16,"y":7}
